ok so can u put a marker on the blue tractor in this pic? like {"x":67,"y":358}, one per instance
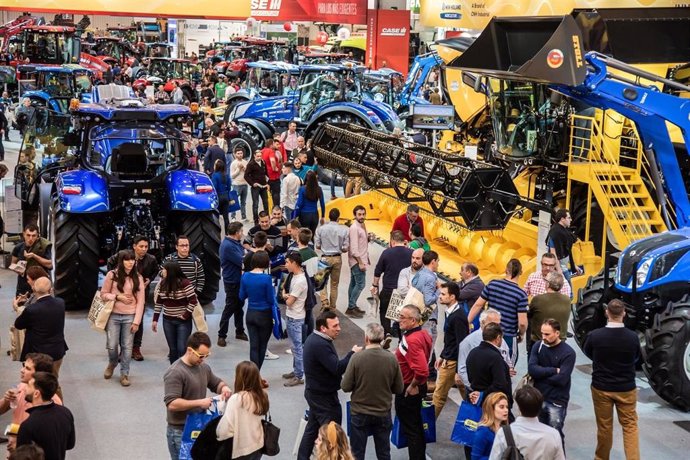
{"x":324,"y":93}
{"x":652,"y":274}
{"x":122,"y":172}
{"x":265,"y":79}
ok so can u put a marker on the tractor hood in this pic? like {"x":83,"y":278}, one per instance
{"x":259,"y":108}
{"x":543,"y":50}
{"x":652,"y":261}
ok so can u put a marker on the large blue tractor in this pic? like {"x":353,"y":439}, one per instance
{"x":325,"y":93}
{"x":122,"y":172}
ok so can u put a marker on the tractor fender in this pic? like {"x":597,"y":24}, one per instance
{"x":385,"y":112}
{"x":366,"y":115}
{"x":240,"y":96}
{"x":188,"y":191}
{"x":264,"y":129}
{"x":82,"y":191}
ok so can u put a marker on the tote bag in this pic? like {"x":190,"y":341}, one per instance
{"x":100,"y":311}
{"x":466,"y":423}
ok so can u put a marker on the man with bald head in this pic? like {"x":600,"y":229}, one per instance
{"x":405,"y":281}
{"x":44,"y":321}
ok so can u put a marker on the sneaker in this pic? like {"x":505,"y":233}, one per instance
{"x":293,"y":382}
{"x":386,"y":344}
{"x":124,"y":381}
{"x":270,"y":356}
{"x":222,"y":342}
{"x":108,"y":373}
{"x":288,"y":351}
{"x":289,"y":376}
{"x":353,"y":313}
{"x":242,"y":336}
{"x":136,"y":354}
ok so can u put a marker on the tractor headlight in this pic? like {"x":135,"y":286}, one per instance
{"x":642,"y":272}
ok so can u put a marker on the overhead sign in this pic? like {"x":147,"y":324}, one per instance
{"x":332,"y":11}
{"x":476,"y":14}
{"x":235,"y":9}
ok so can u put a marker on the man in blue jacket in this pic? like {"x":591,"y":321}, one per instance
{"x":231,"y":257}
{"x":323,"y":371}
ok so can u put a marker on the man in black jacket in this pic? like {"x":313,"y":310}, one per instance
{"x":486,"y":368}
{"x":44,"y":321}
{"x":455,"y":330}
{"x":471,"y":288}
{"x":323,"y":372}
{"x":49,"y":425}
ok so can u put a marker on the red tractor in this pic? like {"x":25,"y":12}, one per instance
{"x":166,"y":72}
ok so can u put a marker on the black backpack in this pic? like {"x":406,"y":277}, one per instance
{"x":207,"y":447}
{"x":512,"y":452}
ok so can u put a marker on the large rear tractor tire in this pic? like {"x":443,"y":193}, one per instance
{"x":245,"y":142}
{"x":75,"y":257}
{"x":667,"y":354}
{"x":334,"y":118}
{"x":203,"y":230}
{"x":588,"y":312}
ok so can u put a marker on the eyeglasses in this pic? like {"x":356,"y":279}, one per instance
{"x":199,"y":355}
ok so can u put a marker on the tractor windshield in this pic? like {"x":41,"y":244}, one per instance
{"x":83,"y":81}
{"x":58,"y":84}
{"x":168,"y":69}
{"x":47,"y":47}
{"x":269,"y":82}
{"x":158,"y":50}
{"x":320,"y":88}
{"x":135,"y":151}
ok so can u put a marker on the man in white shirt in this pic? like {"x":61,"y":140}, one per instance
{"x":295,"y":312}
{"x":289,"y":137}
{"x":406,"y":274}
{"x":289,"y":189}
{"x":532,"y":438}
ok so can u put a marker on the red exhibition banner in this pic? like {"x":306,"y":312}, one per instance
{"x":332,"y":11}
{"x":388,"y":39}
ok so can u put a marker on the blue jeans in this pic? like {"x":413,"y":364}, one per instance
{"x":174,"y":435}
{"x":357,"y":279}
{"x":242,"y":191}
{"x":177,"y":332}
{"x":554,"y":415}
{"x":119,"y":336}
{"x":294,"y":330}
{"x":362,"y":426}
{"x":512,"y":349}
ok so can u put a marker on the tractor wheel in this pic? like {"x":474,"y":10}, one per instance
{"x":203,"y":230}
{"x":75,"y":257}
{"x":245,"y":142}
{"x":667,"y":354}
{"x":251,"y":133}
{"x":334,"y":118}
{"x":588,"y":312}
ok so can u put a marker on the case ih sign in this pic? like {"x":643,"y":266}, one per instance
{"x":335,"y":11}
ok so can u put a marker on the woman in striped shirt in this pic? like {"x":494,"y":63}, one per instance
{"x":176,"y":300}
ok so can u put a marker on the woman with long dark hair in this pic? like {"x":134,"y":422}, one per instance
{"x":125,"y":286}
{"x":176,"y":300}
{"x":246,"y":407}
{"x":257,"y":286}
{"x":308,"y":200}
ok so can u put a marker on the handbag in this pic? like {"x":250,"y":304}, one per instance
{"x":199,"y":318}
{"x":415,"y":297}
{"x":271,"y":435}
{"x":277,"y":320}
{"x":466,"y":423}
{"x":233,"y":201}
{"x":100,"y":311}
{"x":323,"y":273}
{"x":398,"y":437}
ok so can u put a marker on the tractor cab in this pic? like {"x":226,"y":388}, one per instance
{"x":49,"y":45}
{"x":128,"y":33}
{"x":269,"y":79}
{"x":321,"y":84}
{"x":156,"y":50}
{"x":115,"y":50}
{"x":382,"y":85}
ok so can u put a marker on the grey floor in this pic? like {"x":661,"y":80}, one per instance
{"x":113,"y":422}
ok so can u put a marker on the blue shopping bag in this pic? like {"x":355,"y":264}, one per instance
{"x":194,"y":425}
{"x":428,"y":420}
{"x":233,"y":201}
{"x":466,"y":423}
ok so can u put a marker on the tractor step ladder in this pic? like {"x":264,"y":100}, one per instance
{"x":614,"y":172}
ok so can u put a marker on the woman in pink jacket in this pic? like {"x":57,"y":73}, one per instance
{"x":125,"y":286}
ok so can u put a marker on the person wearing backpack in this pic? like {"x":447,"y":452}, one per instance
{"x":527,"y":437}
{"x":417,"y":239}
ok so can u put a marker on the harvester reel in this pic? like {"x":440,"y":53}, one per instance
{"x":482,"y":194}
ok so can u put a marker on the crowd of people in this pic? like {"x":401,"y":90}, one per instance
{"x":482,"y":327}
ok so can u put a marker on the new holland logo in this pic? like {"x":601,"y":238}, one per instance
{"x":393,"y":31}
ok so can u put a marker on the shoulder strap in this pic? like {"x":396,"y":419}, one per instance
{"x":510,"y":440}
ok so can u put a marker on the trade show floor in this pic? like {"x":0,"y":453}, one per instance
{"x":113,"y":422}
